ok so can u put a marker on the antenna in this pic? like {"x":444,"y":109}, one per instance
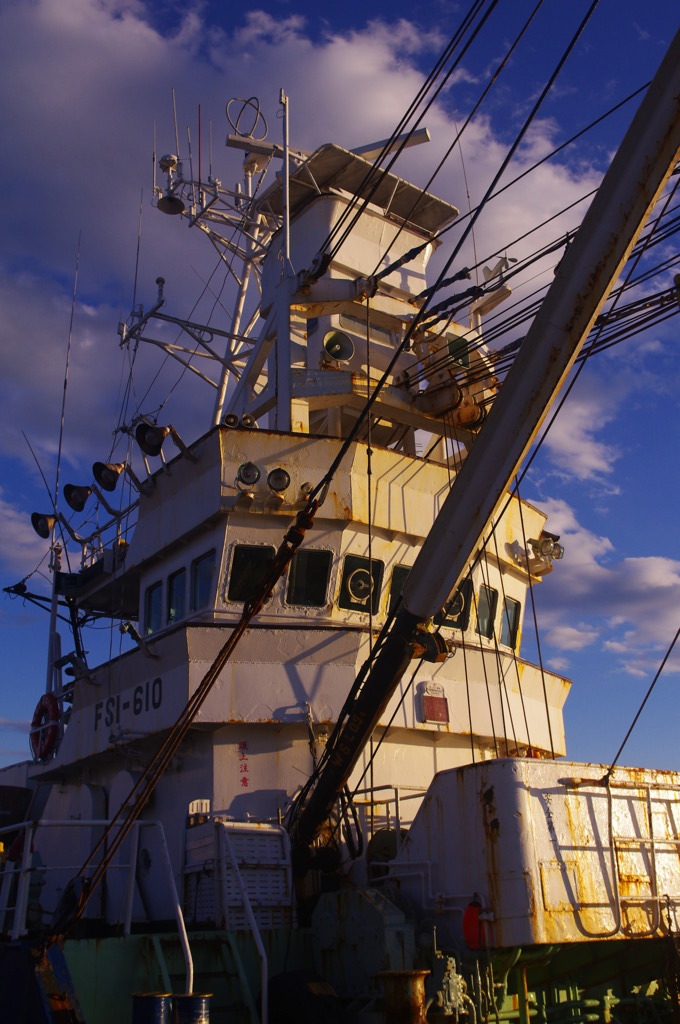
{"x":200,"y":175}
{"x":154,"y":157}
{"x":174,"y":118}
{"x":191,"y":166}
{"x":139,"y":239}
{"x":66,"y":368}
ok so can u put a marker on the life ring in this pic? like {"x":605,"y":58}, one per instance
{"x":45,"y":727}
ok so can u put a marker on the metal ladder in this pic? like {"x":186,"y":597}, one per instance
{"x":648,"y":846}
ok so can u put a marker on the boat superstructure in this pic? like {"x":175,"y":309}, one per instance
{"x":445,"y":848}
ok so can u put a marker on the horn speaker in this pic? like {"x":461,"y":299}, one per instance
{"x":339,"y":346}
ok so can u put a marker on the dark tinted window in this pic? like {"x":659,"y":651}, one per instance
{"x":459,"y":349}
{"x":153,"y":608}
{"x":201,"y":580}
{"x":248,"y":568}
{"x":308,"y":577}
{"x":510,"y":622}
{"x":486,"y":610}
{"x":177,"y":595}
{"x":361,"y":580}
{"x":399,"y":574}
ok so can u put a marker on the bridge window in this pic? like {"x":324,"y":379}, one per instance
{"x":459,"y":350}
{"x":361,"y":581}
{"x":456,"y":611}
{"x":308,"y":577}
{"x":249,"y":565}
{"x":177,"y":595}
{"x":153,"y":607}
{"x":202,"y":570}
{"x":399,"y":574}
{"x":510,"y":622}
{"x":486,"y":610}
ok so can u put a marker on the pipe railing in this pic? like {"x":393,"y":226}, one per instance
{"x":27,"y":871}
{"x":225,"y":844}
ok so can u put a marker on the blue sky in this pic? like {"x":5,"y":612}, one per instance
{"x":86,"y":80}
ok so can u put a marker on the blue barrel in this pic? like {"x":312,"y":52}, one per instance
{"x":191,"y":1009}
{"x":151,"y":1008}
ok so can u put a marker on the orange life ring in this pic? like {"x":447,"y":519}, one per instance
{"x":45,"y":727}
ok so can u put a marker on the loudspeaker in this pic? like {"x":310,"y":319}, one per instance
{"x":339,"y":346}
{"x":150,"y":438}
{"x":170,"y":204}
{"x":42,"y":524}
{"x":106,"y":474}
{"x":76,"y":496}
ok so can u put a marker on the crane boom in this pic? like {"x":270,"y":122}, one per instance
{"x":614,"y":221}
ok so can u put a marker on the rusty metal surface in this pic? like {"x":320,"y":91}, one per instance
{"x":552,"y":854}
{"x":404,"y":996}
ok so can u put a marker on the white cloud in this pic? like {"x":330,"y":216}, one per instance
{"x":87,"y":82}
{"x":626,"y":607}
{"x":261,"y":27}
{"x":572,"y":440}
{"x":558,"y":665}
{"x":14,"y":726}
{"x":572,"y":638}
{"x":21,"y":550}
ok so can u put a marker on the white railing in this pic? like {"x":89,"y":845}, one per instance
{"x":387,"y":796}
{"x":224,"y":844}
{"x":26,"y":871}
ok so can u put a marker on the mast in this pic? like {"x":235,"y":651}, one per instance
{"x":615,"y":219}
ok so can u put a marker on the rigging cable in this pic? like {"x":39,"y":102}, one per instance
{"x":506,"y":618}
{"x":369,"y":494}
{"x":375,"y":175}
{"x":322,"y":487}
{"x":581,"y":362}
{"x":608,"y":773}
{"x":456,"y":140}
{"x":536,"y":630}
{"x":66,"y":370}
{"x":563,"y":145}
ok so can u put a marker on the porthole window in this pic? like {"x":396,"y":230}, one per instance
{"x":308,"y":577}
{"x":202,"y":571}
{"x":486,"y":610}
{"x":153,"y":608}
{"x":249,"y":565}
{"x":510,"y":622}
{"x":361,"y":582}
{"x":456,"y":611}
{"x":177,"y":595}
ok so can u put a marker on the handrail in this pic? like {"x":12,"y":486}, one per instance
{"x":650,"y":842}
{"x":223,"y":833}
{"x":396,"y":794}
{"x":179,"y":916}
{"x":21,"y":906}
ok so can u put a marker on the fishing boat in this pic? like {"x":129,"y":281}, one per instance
{"x":321,"y":782}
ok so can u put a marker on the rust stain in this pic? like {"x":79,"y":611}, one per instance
{"x":491,"y":831}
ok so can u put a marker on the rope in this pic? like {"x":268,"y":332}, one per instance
{"x":140,"y":794}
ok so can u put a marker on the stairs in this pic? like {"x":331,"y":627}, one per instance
{"x":218,"y":970}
